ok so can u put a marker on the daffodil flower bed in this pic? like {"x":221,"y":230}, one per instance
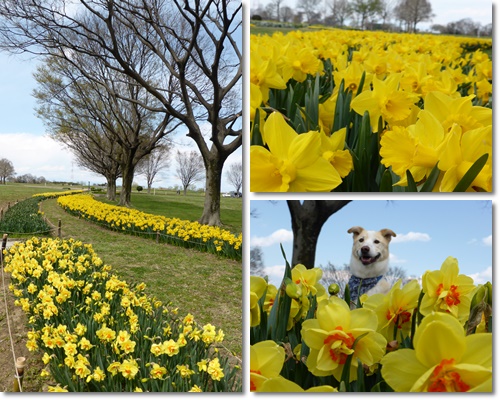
{"x":433,"y":337}
{"x":98,"y":333}
{"x":53,"y":195}
{"x":336,"y":110}
{"x":171,"y":230}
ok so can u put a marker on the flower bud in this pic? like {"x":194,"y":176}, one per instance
{"x":333,"y":289}
{"x":292,"y":289}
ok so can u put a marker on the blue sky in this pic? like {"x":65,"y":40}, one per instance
{"x":427,"y":231}
{"x":23,"y":140}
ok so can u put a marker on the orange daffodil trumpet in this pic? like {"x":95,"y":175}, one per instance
{"x":447,"y":291}
{"x":332,"y":338}
{"x":443,"y":359}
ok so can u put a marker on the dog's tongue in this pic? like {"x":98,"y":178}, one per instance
{"x":368,"y":260}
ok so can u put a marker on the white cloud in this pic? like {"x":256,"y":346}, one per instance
{"x":279,"y":236}
{"x":487,"y":241}
{"x":483,"y":276}
{"x":394,"y":260}
{"x":411,"y":237}
{"x":39,"y":155}
{"x":472,"y":241}
{"x":275,"y":274}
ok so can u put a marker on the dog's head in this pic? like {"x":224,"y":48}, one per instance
{"x":370,"y":247}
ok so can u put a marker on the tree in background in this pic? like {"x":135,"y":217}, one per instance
{"x":310,"y":9}
{"x":153,"y":163}
{"x":190,"y":168}
{"x":103,"y":116}
{"x":256,"y":261}
{"x":412,"y":12}
{"x":234,"y":175}
{"x":366,"y":10}
{"x":6,"y":170}
{"x":308,"y":217}
{"x":194,"y":51}
{"x":340,"y":11}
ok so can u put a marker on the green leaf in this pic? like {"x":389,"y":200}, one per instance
{"x":256,"y":137}
{"x":412,"y":186}
{"x":431,"y":180}
{"x":471,"y":174}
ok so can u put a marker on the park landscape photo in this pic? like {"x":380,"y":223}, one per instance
{"x":123,"y":286}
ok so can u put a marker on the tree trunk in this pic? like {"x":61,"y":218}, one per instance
{"x":211,"y":208}
{"x":127,"y":180}
{"x":307,"y":220}
{"x":111,"y":189}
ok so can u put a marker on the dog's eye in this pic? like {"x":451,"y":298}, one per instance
{"x":361,"y":240}
{"x":377,"y":241}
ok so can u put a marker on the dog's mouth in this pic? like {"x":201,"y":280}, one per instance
{"x":367,"y":260}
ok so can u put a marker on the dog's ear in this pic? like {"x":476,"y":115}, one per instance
{"x":356,"y":230}
{"x":388,"y":234}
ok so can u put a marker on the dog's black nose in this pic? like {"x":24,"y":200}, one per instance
{"x":365,"y":249}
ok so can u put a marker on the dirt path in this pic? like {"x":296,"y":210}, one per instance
{"x":17,"y":319}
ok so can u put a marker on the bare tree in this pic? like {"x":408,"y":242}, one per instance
{"x":153,"y":163}
{"x":6,"y":170}
{"x":286,"y":14}
{"x":412,"y":12}
{"x":308,"y":217}
{"x":235,"y":176}
{"x":195,"y":54}
{"x":366,"y":10}
{"x":341,"y":10}
{"x":309,"y":7}
{"x":256,"y":261}
{"x":189,"y":169}
{"x":84,"y":109}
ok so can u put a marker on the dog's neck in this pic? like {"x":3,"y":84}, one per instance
{"x":359,"y":286}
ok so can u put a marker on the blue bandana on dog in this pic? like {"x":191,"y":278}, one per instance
{"x":359,"y":286}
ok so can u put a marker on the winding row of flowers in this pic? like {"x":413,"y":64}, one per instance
{"x":370,"y":111}
{"x":100,"y":334}
{"x":430,"y":338}
{"x":171,"y":230}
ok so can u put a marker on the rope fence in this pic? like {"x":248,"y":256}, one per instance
{"x":18,"y":361}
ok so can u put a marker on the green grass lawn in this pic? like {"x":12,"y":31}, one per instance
{"x":207,"y":286}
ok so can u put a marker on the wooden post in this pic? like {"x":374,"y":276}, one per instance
{"x":4,"y":245}
{"x":59,"y":229}
{"x":157,"y":236}
{"x":18,"y":378}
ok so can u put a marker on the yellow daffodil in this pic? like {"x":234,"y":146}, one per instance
{"x":394,"y":309}
{"x":461,"y":152}
{"x":266,"y":361}
{"x":447,"y":291}
{"x":386,"y":101}
{"x":293,"y":162}
{"x":282,"y":385}
{"x":443,"y":359}
{"x":334,"y":153}
{"x":258,"y":286}
{"x":332,"y":334}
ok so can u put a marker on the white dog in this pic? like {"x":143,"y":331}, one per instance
{"x":369,"y":262}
